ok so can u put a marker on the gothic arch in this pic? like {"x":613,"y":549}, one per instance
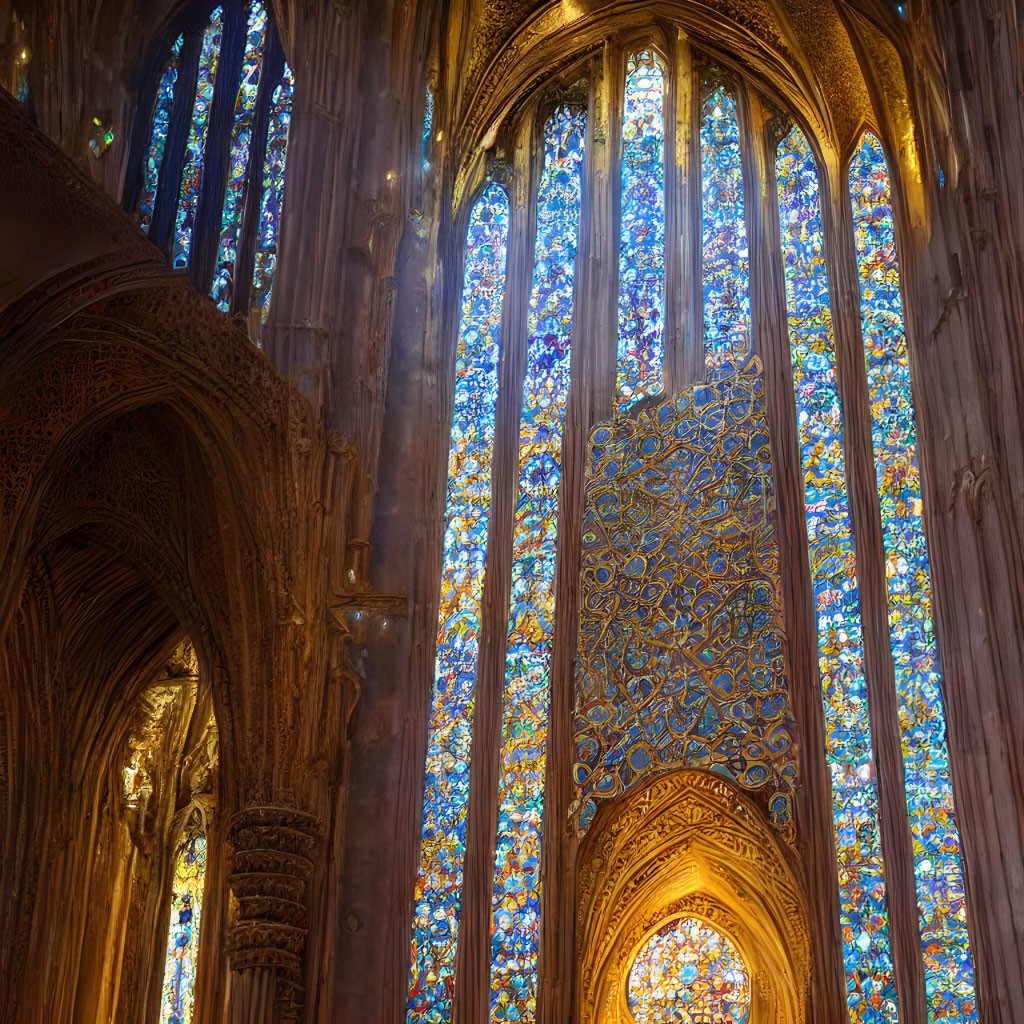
{"x":689,"y":843}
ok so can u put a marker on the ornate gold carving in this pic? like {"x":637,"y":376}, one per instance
{"x":688,"y":843}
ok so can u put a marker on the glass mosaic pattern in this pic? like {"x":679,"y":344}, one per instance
{"x":158,"y":136}
{"x":428,"y":126}
{"x":467,"y":513}
{"x":689,"y":971}
{"x":679,"y":660}
{"x":273,"y":191}
{"x":726,"y":258}
{"x":870,"y":985}
{"x":642,"y":232}
{"x":949,"y":972}
{"x":268,"y":182}
{"x":516,"y":909}
{"x":178,"y":999}
{"x":241,"y":141}
{"x":191,"y":175}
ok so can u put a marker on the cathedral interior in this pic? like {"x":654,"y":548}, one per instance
{"x":512,"y":511}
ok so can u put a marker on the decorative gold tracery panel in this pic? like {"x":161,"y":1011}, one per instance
{"x":680,"y":659}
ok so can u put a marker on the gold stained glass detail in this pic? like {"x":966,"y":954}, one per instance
{"x":680,"y":658}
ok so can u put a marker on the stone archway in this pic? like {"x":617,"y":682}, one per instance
{"x":689,"y":843}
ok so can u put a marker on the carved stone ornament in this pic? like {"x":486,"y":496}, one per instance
{"x":689,"y":843}
{"x":273,"y":849}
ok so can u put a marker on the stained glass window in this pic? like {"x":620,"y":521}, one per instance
{"x":158,"y":138}
{"x":241,"y":143}
{"x":726,"y":260}
{"x":689,"y":971}
{"x":188,"y":199}
{"x":642,"y":231}
{"x":428,"y":126}
{"x":438,"y":897}
{"x":239,"y":267}
{"x":949,"y":972}
{"x":863,"y":915}
{"x":679,"y":661}
{"x":680,"y":647}
{"x":183,"y":934}
{"x":516,"y":910}
{"x":21,"y":63}
{"x":273,"y":190}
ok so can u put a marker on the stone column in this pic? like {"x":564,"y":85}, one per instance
{"x":269,"y":920}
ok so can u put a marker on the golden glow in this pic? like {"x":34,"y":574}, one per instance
{"x":689,"y":844}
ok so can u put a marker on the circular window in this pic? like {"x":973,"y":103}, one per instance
{"x":690,"y":973}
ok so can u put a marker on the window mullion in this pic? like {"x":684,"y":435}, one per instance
{"x":599,"y":238}
{"x":161,"y":231}
{"x":852,"y":387}
{"x":213,"y":180}
{"x":472,"y":972}
{"x":771,"y":342}
{"x":684,"y":343}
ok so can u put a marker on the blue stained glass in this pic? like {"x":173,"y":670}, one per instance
{"x":642,"y":232}
{"x":273,"y":191}
{"x":241,"y":140}
{"x":726,"y":260}
{"x":188,"y":198}
{"x":679,"y":658}
{"x":438,"y":898}
{"x":158,"y":135}
{"x":428,"y":126}
{"x":949,"y":971}
{"x":864,"y":918}
{"x":516,"y":907}
{"x":689,"y":971}
{"x":178,"y":1000}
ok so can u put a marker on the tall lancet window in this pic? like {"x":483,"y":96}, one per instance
{"x":642,"y":231}
{"x":199,"y":122}
{"x":238,"y":157}
{"x":949,"y":972}
{"x":863,"y":913}
{"x":516,"y":910}
{"x":208,"y":153}
{"x":158,"y":135}
{"x":467,"y":515}
{"x":178,"y":1001}
{"x":726,"y":259}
